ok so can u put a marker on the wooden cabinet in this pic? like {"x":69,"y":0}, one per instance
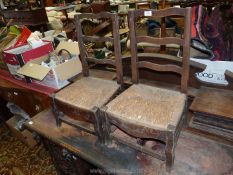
{"x":31,"y":98}
{"x":28,"y":101}
{"x":66,"y":162}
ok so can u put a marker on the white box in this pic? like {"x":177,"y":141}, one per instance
{"x":54,"y":77}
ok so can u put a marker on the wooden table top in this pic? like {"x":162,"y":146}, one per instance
{"x":192,"y":152}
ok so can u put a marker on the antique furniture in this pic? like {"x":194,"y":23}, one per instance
{"x":76,"y":153}
{"x":26,"y":17}
{"x":148,"y":112}
{"x":30,"y":97}
{"x":34,"y":18}
{"x":81,"y":100}
{"x":96,"y":7}
{"x":213,"y":112}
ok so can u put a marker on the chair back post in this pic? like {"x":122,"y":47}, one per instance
{"x":186,"y":50}
{"x":117,"y":49}
{"x":82,"y":48}
{"x":115,"y":41}
{"x":185,"y":42}
{"x":133,"y":47}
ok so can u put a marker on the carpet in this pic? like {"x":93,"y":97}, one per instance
{"x":18,"y":159}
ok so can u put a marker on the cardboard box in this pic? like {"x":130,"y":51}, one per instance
{"x":18,"y":56}
{"x":54,"y":77}
{"x":25,"y":136}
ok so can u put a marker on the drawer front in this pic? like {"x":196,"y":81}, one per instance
{"x":25,"y":99}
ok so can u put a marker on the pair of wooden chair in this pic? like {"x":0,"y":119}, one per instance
{"x":143,"y":112}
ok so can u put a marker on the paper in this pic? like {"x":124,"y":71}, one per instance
{"x":214,"y":72}
{"x":148,"y":13}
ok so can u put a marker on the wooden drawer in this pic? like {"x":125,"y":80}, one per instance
{"x":25,"y":99}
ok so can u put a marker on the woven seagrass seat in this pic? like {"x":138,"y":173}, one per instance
{"x":148,"y":106}
{"x":88,"y":92}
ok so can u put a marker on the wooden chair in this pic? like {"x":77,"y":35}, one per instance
{"x":146,"y":112}
{"x":81,"y":100}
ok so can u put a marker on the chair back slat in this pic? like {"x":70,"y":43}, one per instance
{"x":183,"y":70}
{"x":100,"y":15}
{"x":115,"y":40}
{"x":97,"y":39}
{"x":160,"y":13}
{"x":160,"y":68}
{"x":161,"y":41}
{"x":101,"y":61}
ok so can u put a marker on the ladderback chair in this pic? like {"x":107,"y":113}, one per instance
{"x":148,"y":113}
{"x":80,"y":100}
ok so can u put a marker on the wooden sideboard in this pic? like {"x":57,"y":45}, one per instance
{"x":31,"y":98}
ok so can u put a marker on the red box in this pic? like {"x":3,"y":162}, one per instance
{"x":16,"y":57}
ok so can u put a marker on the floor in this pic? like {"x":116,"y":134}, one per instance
{"x":17,"y":159}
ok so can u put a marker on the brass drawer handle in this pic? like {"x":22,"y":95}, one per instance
{"x":9,"y":95}
{"x":37,"y":108}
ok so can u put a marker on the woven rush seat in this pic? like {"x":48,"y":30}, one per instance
{"x":148,"y":106}
{"x":88,"y":92}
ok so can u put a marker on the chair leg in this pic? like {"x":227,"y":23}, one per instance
{"x":56,"y":112}
{"x":105,"y":126}
{"x":96,"y":127}
{"x":98,"y":124}
{"x":169,"y":151}
{"x":58,"y":118}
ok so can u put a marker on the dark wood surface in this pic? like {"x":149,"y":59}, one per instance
{"x":214,"y":102}
{"x":26,"y":17}
{"x":30,"y":97}
{"x":194,"y":154}
{"x":213,"y":113}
